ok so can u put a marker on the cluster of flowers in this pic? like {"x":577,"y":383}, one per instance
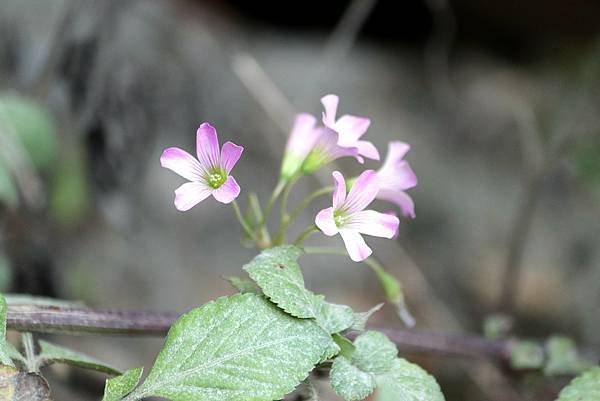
{"x":309,"y":148}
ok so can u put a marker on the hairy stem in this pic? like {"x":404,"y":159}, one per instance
{"x":305,"y":234}
{"x":75,"y":321}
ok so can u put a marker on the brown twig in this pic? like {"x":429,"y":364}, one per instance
{"x":81,"y":320}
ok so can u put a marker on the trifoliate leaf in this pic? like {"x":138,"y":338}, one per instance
{"x":407,"y":382}
{"x":22,"y":386}
{"x":526,"y":355}
{"x":119,"y":386}
{"x":5,"y":351}
{"x":32,"y":125}
{"x":374,"y":352}
{"x":52,"y":353}
{"x":563,"y":357}
{"x":349,"y":382}
{"x":235,"y":348}
{"x":585,"y":387}
{"x":334,"y":318}
{"x":277,"y":273}
{"x":243,"y":285}
{"x":361,"y":318}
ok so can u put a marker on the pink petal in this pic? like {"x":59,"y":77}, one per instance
{"x":363,"y":191}
{"x":230,"y":154}
{"x":227,"y":192}
{"x":397,"y":150}
{"x":405,"y":176}
{"x":330,"y":103}
{"x":181,"y":162}
{"x":367,"y":149}
{"x":400,"y":198}
{"x":351,"y":128}
{"x":190,"y":194}
{"x":355,"y":245}
{"x":303,"y":136}
{"x":207,"y":146}
{"x":339,"y":189}
{"x":393,"y":213}
{"x":325,"y":222}
{"x":373,"y":223}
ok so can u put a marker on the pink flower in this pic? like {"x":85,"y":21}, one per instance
{"x":350,"y":128}
{"x":348,"y":218}
{"x":209,"y":174}
{"x":396,"y":176}
{"x":302,"y":140}
{"x":326,"y":150}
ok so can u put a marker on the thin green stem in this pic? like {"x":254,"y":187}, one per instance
{"x":283,"y":216}
{"x":305,"y":234}
{"x":274,"y":196}
{"x":247,"y":229}
{"x":299,"y":208}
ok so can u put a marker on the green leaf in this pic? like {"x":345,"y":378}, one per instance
{"x":346,"y":347}
{"x":332,"y":350}
{"x":563,"y":357}
{"x":374,"y":352}
{"x":243,"y":285}
{"x":407,"y":382}
{"x":526,"y":355}
{"x":277,"y":273}
{"x":361,"y":318}
{"x":5,"y":350}
{"x":30,"y":124}
{"x":52,"y":353}
{"x":585,"y":387}
{"x":334,"y":318}
{"x":119,"y":386}
{"x":235,"y":348}
{"x":349,"y":382}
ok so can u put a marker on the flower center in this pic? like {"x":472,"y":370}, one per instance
{"x":340,"y":218}
{"x":216,"y":179}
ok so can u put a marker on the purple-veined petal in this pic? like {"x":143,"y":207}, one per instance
{"x":325,"y":222}
{"x":330,"y":104}
{"x":227,"y":192}
{"x":401,"y":199}
{"x":181,"y":162}
{"x":363,"y":191}
{"x":230,"y":154}
{"x":351,"y":128}
{"x":190,"y":194}
{"x":367,"y":149}
{"x":373,"y":223}
{"x":207,"y":146}
{"x":339,"y":189}
{"x":355,"y":245}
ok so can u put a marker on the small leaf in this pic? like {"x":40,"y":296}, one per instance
{"x":374,"y":352}
{"x":277,"y":273}
{"x":563,"y":357}
{"x":235,"y":348}
{"x":119,"y":386}
{"x":243,"y":285}
{"x":346,"y":347}
{"x":361,"y":318}
{"x":526,"y":355}
{"x":52,"y":353}
{"x":407,"y":382}
{"x":21,"y":386}
{"x":334,"y":318}
{"x":349,"y":382}
{"x":332,"y":350}
{"x":585,"y":387}
{"x":5,"y":350}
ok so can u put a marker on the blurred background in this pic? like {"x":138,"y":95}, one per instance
{"x":499,"y":100}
